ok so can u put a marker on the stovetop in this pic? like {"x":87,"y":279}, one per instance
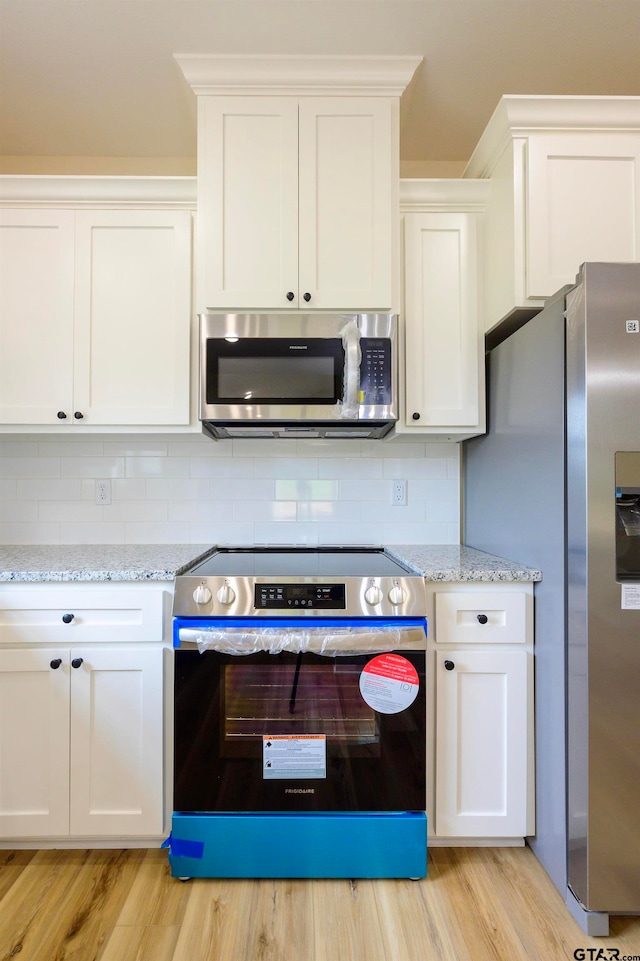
{"x":327,"y":581}
{"x":300,"y":561}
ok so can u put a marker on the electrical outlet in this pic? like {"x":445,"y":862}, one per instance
{"x":399,"y":493}
{"x":103,"y":492}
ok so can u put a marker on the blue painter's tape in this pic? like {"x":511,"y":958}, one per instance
{"x":183,"y":848}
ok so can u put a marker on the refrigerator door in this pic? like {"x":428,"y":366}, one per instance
{"x":603,"y":707}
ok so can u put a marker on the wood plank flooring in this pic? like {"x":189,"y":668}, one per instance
{"x":478,"y":904}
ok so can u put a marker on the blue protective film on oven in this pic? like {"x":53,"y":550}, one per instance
{"x":323,"y":845}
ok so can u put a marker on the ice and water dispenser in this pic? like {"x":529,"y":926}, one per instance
{"x":628,"y":515}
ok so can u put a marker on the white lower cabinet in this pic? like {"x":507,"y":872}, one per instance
{"x":34,"y":744}
{"x":481,"y":746}
{"x":82,"y":735}
{"x":81,"y":741}
{"x":480,"y":750}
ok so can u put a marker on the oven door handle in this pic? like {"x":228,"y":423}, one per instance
{"x":244,"y":636}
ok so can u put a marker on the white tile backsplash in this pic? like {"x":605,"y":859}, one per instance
{"x":192,"y":489}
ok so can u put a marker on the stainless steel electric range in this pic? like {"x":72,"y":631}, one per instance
{"x":299,"y":715}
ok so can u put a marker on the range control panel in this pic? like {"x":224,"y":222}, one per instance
{"x":303,"y":596}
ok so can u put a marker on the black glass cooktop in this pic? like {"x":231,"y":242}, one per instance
{"x":302,"y":561}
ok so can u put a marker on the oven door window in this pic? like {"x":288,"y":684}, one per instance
{"x":274,"y":370}
{"x":226,"y":706}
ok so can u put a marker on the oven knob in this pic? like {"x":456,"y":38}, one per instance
{"x":226,"y":594}
{"x":202,"y":594}
{"x":397,"y":595}
{"x":373,"y":595}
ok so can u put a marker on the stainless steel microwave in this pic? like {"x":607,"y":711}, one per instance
{"x":298,"y":375}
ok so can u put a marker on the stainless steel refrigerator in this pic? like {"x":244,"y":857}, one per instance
{"x":555,"y":484}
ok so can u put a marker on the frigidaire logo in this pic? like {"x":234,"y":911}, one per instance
{"x":299,"y":790}
{"x":298,"y":347}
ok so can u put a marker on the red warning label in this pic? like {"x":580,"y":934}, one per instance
{"x":389,"y":683}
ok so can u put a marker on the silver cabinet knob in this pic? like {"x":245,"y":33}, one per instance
{"x":226,"y":594}
{"x":373,"y":595}
{"x":397,"y":595}
{"x":202,"y":594}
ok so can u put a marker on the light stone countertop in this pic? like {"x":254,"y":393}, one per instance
{"x":162,"y":562}
{"x":97,"y":562}
{"x":456,"y":563}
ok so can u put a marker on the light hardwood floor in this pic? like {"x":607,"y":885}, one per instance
{"x":478,"y":904}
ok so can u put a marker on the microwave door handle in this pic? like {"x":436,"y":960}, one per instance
{"x":351,"y":343}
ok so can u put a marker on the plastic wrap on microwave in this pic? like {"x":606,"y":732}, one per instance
{"x":332,"y":642}
{"x":348,"y":407}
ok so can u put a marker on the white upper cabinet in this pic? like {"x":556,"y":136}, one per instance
{"x":298,"y":163}
{"x":36,"y":315}
{"x":442,"y":360}
{"x":95,"y":313}
{"x":347,"y":222}
{"x":247,"y":226}
{"x":583,"y":203}
{"x":294,"y":202}
{"x":565,"y":189}
{"x":132,"y":316}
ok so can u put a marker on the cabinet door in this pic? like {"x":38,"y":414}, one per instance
{"x":133,"y":316}
{"x":34,"y":743}
{"x":481,"y":743}
{"x":582,"y":204}
{"x":36,"y":316}
{"x":443,"y":374}
{"x":116,"y":741}
{"x":247,"y":222}
{"x":346,"y":229}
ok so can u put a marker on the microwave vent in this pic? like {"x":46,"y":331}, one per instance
{"x":331,"y":431}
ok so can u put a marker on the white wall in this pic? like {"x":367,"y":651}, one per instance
{"x":189,"y":489}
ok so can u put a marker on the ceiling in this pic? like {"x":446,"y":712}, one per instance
{"x":97,"y":78}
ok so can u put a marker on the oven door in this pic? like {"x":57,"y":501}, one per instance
{"x":299,"y":732}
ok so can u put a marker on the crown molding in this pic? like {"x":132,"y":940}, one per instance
{"x":422,"y":195}
{"x":297,"y":75}
{"x":520,"y":116}
{"x":139,"y":191}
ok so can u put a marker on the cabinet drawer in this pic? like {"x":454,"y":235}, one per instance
{"x":481,"y":617}
{"x":73,"y":616}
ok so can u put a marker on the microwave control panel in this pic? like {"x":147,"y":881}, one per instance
{"x":375,"y":371}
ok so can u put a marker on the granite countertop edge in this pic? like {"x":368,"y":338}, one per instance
{"x":98,"y":563}
{"x":457,"y":563}
{"x":163,"y":562}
